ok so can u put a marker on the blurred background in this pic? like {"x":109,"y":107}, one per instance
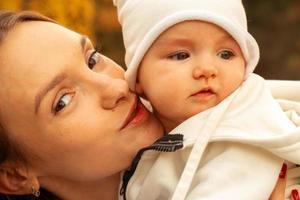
{"x":274,"y":23}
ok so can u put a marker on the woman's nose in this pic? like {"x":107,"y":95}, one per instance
{"x":107,"y":89}
{"x":115,"y":91}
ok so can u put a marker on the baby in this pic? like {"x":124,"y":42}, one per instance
{"x":194,"y":61}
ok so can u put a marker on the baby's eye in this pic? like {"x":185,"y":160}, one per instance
{"x":64,"y":101}
{"x":179,"y":56}
{"x":226,"y":54}
{"x":94,"y":59}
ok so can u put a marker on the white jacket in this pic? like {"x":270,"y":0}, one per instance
{"x":249,"y":137}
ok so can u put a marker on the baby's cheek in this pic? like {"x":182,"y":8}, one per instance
{"x":160,"y":105}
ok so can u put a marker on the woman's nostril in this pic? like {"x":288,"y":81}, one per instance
{"x":121,"y":99}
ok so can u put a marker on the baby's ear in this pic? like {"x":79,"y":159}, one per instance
{"x":139,"y":90}
{"x":16,"y":179}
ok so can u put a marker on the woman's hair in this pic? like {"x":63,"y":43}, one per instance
{"x":8,"y":20}
{"x":9,"y":151}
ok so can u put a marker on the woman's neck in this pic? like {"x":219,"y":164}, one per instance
{"x":104,"y":189}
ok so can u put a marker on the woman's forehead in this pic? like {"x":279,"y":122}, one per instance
{"x":33,"y":45}
{"x":34,"y":52}
{"x":28,"y":37}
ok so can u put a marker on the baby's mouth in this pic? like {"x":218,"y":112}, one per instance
{"x":207,"y":91}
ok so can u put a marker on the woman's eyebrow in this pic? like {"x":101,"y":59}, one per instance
{"x":42,"y":93}
{"x":83,"y":41}
{"x":57,"y":79}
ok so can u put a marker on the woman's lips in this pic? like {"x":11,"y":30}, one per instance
{"x":137,"y":114}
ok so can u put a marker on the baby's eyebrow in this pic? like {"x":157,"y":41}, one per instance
{"x":176,"y":41}
{"x":225,"y":38}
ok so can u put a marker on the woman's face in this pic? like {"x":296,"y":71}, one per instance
{"x":69,"y":109}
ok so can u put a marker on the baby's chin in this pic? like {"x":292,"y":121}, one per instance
{"x":199,"y":109}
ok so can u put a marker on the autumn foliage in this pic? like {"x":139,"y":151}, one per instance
{"x":274,"y":23}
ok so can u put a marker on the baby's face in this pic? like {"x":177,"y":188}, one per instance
{"x":191,"y":67}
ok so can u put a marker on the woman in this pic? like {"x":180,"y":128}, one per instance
{"x":68,"y":121}
{"x":81,"y":124}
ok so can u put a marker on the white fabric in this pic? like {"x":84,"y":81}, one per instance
{"x":144,"y":20}
{"x":283,"y":89}
{"x":199,"y":145}
{"x":242,"y":160}
{"x":292,"y":110}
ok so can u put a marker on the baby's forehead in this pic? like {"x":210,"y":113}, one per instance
{"x":180,"y":33}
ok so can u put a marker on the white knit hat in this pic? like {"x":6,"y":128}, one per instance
{"x":144,"y":20}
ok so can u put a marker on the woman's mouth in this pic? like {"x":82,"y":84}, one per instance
{"x":137,"y":114}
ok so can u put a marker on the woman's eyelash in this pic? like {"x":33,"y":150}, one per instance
{"x":63,"y":101}
{"x":94,"y":58}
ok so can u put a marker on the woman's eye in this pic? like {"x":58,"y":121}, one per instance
{"x":226,"y":54}
{"x":179,"y":56}
{"x":63,"y":102}
{"x":94,"y":59}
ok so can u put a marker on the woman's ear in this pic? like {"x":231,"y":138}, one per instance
{"x":17,"y":179}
